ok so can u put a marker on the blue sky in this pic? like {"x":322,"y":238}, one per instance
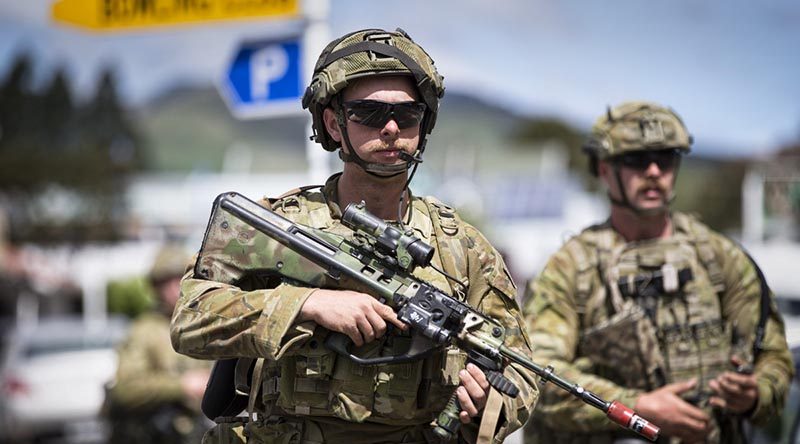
{"x":730,"y":68}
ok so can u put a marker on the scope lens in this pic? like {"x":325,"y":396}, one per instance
{"x":421,"y":252}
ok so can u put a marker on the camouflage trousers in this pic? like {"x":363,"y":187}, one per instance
{"x":298,"y":430}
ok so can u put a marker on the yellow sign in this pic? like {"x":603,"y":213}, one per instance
{"x":122,"y":14}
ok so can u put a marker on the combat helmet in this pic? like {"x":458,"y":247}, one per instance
{"x":636,"y":126}
{"x":365,"y":53}
{"x":170,"y":261}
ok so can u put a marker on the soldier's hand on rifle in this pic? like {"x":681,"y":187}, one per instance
{"x":675,"y":416}
{"x":358,"y":315}
{"x":472,"y":393}
{"x":736,"y":392}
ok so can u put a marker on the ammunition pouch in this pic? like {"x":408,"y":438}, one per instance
{"x":701,"y":350}
{"x":630,"y":337}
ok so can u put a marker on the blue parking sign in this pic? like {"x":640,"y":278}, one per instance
{"x":264,"y":79}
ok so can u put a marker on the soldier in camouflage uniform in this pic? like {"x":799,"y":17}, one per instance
{"x":652,"y":307}
{"x":155,"y":396}
{"x":374,"y":96}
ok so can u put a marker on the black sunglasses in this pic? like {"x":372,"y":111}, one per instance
{"x":376,"y":114}
{"x":641,"y":160}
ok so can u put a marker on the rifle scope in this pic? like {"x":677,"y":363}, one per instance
{"x":388,"y":239}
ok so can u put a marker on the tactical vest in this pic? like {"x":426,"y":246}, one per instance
{"x":650,"y":312}
{"x":316,"y":382}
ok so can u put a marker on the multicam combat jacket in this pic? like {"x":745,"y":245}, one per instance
{"x":310,"y":394}
{"x":617,"y":336}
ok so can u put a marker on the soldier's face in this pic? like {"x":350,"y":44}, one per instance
{"x":647,"y":188}
{"x":169,"y":291}
{"x":378,"y":144}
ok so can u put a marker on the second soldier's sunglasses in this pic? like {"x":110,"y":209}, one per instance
{"x":375,"y":114}
{"x":666,"y":160}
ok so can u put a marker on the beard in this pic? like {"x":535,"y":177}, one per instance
{"x":666,"y":197}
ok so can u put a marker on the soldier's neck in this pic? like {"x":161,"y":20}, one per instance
{"x":381,"y":195}
{"x":637,"y":227}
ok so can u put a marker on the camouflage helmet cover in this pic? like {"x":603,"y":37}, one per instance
{"x":364,"y":53}
{"x":170,"y":261}
{"x":637,"y":126}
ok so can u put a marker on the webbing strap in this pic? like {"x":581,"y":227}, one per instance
{"x":391,"y":51}
{"x":446,"y":225}
{"x":254,"y":388}
{"x":701,"y":239}
{"x":490,"y":418}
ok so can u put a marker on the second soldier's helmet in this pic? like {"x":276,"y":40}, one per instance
{"x":170,"y":261}
{"x":371,"y":52}
{"x":636,"y":126}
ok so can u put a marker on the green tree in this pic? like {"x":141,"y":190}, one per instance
{"x":57,"y":111}
{"x":64,"y":166}
{"x":17,"y":102}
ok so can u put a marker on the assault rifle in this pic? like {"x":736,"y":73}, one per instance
{"x":378,"y":259}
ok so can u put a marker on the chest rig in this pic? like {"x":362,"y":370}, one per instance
{"x":315,"y":381}
{"x":650,"y":311}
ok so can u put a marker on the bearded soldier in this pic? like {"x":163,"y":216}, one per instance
{"x":653,"y":308}
{"x":375,"y":97}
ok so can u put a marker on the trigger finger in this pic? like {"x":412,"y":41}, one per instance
{"x":387,"y":313}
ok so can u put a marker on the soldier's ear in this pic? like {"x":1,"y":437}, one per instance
{"x":332,"y":125}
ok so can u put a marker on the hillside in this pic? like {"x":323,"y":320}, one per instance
{"x":190,"y":129}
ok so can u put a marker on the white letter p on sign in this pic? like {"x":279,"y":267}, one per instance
{"x":266,"y":66}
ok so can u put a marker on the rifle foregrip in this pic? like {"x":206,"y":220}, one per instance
{"x":447,"y":423}
{"x":626,"y":417}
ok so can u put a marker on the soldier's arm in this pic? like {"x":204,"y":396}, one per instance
{"x":741,"y":305}
{"x":492,"y":291}
{"x":142,"y":382}
{"x":552,"y":321}
{"x":213,"y":320}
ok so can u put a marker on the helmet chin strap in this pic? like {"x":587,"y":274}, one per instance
{"x":379,"y":169}
{"x":626,"y":203}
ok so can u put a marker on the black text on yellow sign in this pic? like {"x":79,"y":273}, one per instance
{"x":123,"y":14}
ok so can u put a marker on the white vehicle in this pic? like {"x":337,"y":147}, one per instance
{"x":53,"y":376}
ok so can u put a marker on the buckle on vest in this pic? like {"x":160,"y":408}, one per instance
{"x":669,"y":276}
{"x":271,"y":385}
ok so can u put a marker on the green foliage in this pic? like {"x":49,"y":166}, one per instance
{"x":712,"y":190}
{"x":130,"y":297}
{"x":192,"y":129}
